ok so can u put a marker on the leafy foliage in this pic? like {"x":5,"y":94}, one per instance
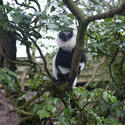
{"x":108,"y":40}
{"x":8,"y":80}
{"x":47,"y":109}
{"x":104,"y":105}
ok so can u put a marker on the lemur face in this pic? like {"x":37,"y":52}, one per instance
{"x":65,"y":35}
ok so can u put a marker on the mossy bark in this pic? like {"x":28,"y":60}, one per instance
{"x":7,"y":49}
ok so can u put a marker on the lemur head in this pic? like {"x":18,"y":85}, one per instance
{"x":66,"y":39}
{"x":66,"y":35}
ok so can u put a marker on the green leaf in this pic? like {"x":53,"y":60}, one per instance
{"x":24,"y":96}
{"x":71,"y":16}
{"x":105,"y":96}
{"x":52,"y":9}
{"x":17,"y":16}
{"x":52,"y":26}
{"x":113,"y":99}
{"x":43,"y":114}
{"x":47,"y":109}
{"x":8,"y":80}
{"x":78,"y":90}
{"x":36,"y":108}
{"x":108,"y":19}
{"x":62,"y":120}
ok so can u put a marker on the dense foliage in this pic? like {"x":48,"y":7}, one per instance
{"x":104,"y":44}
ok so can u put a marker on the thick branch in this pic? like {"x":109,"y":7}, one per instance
{"x":75,"y":10}
{"x":78,"y":50}
{"x":81,"y":17}
{"x":83,"y":22}
{"x":108,"y":14}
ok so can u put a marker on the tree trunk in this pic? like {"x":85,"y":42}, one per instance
{"x":7,"y":49}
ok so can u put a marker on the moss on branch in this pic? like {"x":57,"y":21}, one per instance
{"x":77,"y":12}
{"x":78,"y":51}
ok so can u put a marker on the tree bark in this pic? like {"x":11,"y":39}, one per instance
{"x":7,"y":49}
{"x":7,"y":46}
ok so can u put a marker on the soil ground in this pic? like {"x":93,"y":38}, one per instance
{"x":5,"y":117}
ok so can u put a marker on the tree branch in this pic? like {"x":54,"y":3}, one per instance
{"x":108,"y":14}
{"x":75,"y":10}
{"x":24,"y":5}
{"x":78,"y":50}
{"x":83,"y":23}
{"x":110,"y":66}
{"x":94,"y":71}
{"x":44,"y":60}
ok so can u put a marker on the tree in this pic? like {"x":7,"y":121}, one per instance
{"x":83,"y":22}
{"x":78,"y":105}
{"x":7,"y":43}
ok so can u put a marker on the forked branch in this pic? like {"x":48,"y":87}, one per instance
{"x":83,"y":23}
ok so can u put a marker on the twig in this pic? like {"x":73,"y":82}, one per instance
{"x":33,"y":98}
{"x":94,"y":72}
{"x":22,"y":120}
{"x":22,"y":112}
{"x":99,"y":51}
{"x":44,"y":60}
{"x":24,"y":5}
{"x":110,"y":65}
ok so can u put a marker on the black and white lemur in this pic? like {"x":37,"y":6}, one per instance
{"x":66,"y":40}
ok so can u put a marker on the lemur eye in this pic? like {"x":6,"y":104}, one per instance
{"x":63,"y":34}
{"x":68,"y":34}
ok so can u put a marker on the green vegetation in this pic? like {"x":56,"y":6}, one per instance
{"x":37,"y":98}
